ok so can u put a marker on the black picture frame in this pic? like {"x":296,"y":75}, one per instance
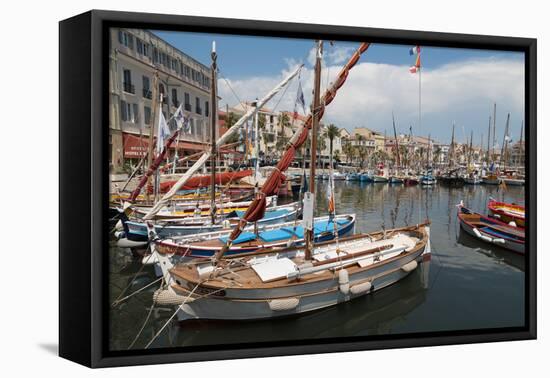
{"x":83,"y":181}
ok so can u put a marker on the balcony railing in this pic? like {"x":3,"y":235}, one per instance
{"x":129,"y":88}
{"x":198,"y":110}
{"x":147,"y":94}
{"x":187,"y":107}
{"x":175,"y":103}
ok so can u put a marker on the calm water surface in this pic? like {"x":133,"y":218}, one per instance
{"x":470,"y":284}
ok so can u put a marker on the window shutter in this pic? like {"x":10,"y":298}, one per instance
{"x":136,"y":113}
{"x":123,"y":111}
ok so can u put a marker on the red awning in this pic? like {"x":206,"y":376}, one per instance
{"x":134,"y":146}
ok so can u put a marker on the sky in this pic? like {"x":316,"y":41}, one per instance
{"x":457,"y":86}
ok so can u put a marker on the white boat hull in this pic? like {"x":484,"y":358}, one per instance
{"x":212,"y":307}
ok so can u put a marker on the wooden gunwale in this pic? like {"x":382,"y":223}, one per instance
{"x":180,"y":290}
{"x":189,"y":273}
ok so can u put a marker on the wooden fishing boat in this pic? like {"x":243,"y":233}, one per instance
{"x":198,"y":209}
{"x":263,"y":285}
{"x":204,"y":181}
{"x":338,"y":176}
{"x":490,"y":180}
{"x":472,"y":179}
{"x":379,"y":179}
{"x":353,"y":177}
{"x":452,"y":179}
{"x":491,"y":230}
{"x":136,"y":231}
{"x":365,"y":177}
{"x":270,"y":236}
{"x":512,"y":180}
{"x":507,"y":212}
{"x":411,"y":181}
{"x":396,"y":180}
{"x":428,"y":180}
{"x":280,"y":282}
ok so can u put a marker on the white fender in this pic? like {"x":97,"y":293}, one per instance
{"x":361,"y":288}
{"x":343,"y":281}
{"x":283,"y":304}
{"x":169,"y":297}
{"x":409,"y":267}
{"x":118,"y":225}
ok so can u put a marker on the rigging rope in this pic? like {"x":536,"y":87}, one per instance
{"x":257,"y":209}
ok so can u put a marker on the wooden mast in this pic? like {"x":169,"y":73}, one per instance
{"x":213,"y":126}
{"x":152,"y":129}
{"x":315,"y":125}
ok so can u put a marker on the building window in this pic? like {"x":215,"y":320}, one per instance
{"x":206,"y":109}
{"x":147,"y":115}
{"x":175,"y":101}
{"x":129,"y":112}
{"x":155,"y":55}
{"x":198,"y":109}
{"x":147,"y":88}
{"x":127,"y":82}
{"x":126,"y":39}
{"x":187,"y":102}
{"x":139,"y":46}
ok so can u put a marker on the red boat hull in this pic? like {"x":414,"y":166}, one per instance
{"x":204,"y":181}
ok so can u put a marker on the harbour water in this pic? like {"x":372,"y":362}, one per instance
{"x":471,"y":285}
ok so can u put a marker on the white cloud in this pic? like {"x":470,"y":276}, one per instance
{"x":463,"y":92}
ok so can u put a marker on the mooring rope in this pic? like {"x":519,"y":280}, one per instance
{"x":179,"y":308}
{"x":117,"y":300}
{"x":146,"y":320}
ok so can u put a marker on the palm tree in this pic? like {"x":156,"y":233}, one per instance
{"x":284,"y":122}
{"x":437,"y":155}
{"x":331,"y":132}
{"x":230,"y":119}
{"x":347,"y":149}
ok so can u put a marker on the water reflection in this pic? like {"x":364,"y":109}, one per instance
{"x":471,"y":284}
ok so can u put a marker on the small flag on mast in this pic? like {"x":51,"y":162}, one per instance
{"x":163,"y":132}
{"x":416,"y":67}
{"x":182,"y":122}
{"x":300,"y":99}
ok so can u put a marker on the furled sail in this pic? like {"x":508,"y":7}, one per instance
{"x":256,"y":209}
{"x":223,"y":139}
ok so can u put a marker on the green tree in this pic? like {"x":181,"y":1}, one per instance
{"x":331,"y":132}
{"x":230,"y":119}
{"x":284,"y":122}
